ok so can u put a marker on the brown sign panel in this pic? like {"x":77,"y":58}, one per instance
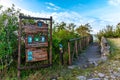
{"x":34,"y":29}
{"x":45,"y":44}
{"x":36,"y":55}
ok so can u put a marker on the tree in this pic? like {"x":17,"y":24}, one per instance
{"x":117,"y":31}
{"x":71,"y":27}
{"x":8,"y":38}
{"x":109,"y":31}
{"x":84,"y":30}
{"x":61,"y":26}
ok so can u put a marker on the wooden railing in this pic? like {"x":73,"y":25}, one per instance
{"x":75,"y":46}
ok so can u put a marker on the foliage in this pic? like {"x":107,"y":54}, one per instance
{"x":8,"y":27}
{"x":84,"y":30}
{"x":8,"y":37}
{"x":61,"y":35}
{"x":109,"y":32}
{"x":62,"y":32}
{"x":115,"y":50}
{"x":117,"y":31}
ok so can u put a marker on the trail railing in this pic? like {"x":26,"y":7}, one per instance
{"x":75,"y":46}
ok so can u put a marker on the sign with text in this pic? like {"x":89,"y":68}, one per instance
{"x":36,"y":34}
{"x":36,"y":55}
{"x":36,"y":37}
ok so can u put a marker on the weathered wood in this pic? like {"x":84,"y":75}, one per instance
{"x":37,"y":44}
{"x":79,"y":44}
{"x":35,"y":30}
{"x":76,"y":48}
{"x":36,"y":40}
{"x":69,"y":53}
{"x":36,"y":18}
{"x":50,"y":54}
{"x":19,"y":49}
{"x":37,"y":54}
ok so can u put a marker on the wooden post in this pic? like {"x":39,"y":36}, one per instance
{"x":76,"y":48}
{"x":19,"y":49}
{"x":50,"y":56}
{"x":80,"y":45}
{"x":85,"y":42}
{"x":69,"y":53}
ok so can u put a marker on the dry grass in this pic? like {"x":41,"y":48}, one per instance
{"x":115,"y":42}
{"x":115,"y":48}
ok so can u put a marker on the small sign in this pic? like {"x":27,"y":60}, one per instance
{"x":39,"y":24}
{"x":29,"y":39}
{"x":36,"y":55}
{"x":42,"y":38}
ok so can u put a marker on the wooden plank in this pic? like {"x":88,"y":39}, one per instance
{"x":36,"y":55}
{"x":36,"y":18}
{"x":43,"y":25}
{"x":35,"y":29}
{"x":45,"y":44}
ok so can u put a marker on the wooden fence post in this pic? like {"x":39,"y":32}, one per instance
{"x":50,"y":40}
{"x":69,"y":53}
{"x":76,"y":48}
{"x":19,"y":50}
{"x":80,"y":45}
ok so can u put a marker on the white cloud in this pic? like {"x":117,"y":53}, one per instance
{"x":52,"y":6}
{"x":114,"y":2}
{"x":106,"y":17}
{"x":6,"y":3}
{"x":68,"y":17}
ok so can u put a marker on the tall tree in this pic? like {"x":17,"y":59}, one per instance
{"x":61,"y":26}
{"x":71,"y":27}
{"x":8,"y":26}
{"x":84,"y":30}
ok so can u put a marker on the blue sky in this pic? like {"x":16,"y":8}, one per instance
{"x":98,"y":13}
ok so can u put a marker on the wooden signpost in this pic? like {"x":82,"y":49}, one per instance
{"x":38,"y":42}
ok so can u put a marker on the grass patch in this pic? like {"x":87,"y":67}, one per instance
{"x":59,"y":71}
{"x":115,"y":48}
{"x":62,"y":72}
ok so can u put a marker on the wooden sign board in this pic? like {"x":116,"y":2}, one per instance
{"x":36,"y":55}
{"x":36,"y":35}
{"x":36,"y":41}
{"x":37,"y":44}
{"x":35,"y":29}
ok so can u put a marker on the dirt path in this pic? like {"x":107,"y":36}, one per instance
{"x":90,"y":56}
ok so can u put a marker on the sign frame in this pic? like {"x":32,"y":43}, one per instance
{"x":48,"y":45}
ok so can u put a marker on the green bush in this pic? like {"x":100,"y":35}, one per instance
{"x":8,"y":37}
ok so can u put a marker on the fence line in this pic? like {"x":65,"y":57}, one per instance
{"x":76,"y":45}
